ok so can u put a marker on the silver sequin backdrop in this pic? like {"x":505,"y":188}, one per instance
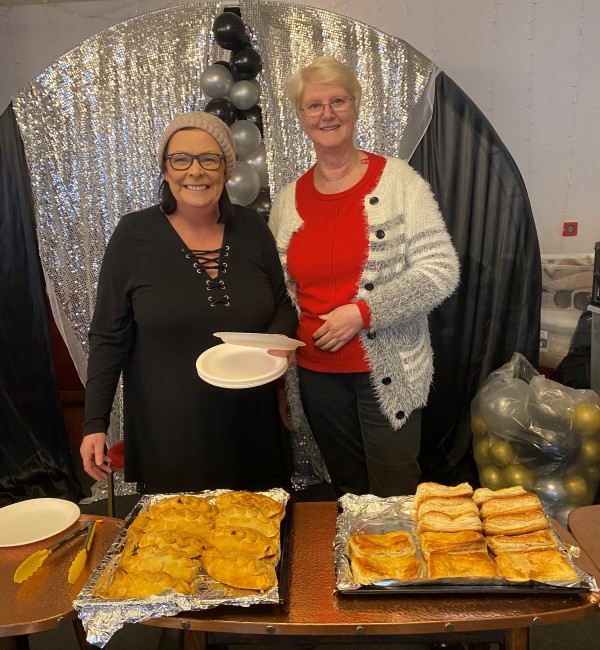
{"x":90,"y":123}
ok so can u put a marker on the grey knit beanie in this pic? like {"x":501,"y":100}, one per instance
{"x":206,"y":122}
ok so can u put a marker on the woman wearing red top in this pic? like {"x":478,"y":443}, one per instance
{"x":366,"y":257}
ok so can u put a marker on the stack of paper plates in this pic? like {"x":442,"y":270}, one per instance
{"x":243,"y":361}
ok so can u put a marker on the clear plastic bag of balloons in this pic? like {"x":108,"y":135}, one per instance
{"x":531,"y":431}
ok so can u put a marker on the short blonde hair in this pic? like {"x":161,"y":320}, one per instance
{"x":323,"y":70}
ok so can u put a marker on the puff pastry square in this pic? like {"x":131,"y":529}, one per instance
{"x":367,"y":570}
{"x":429,"y":490}
{"x":512,"y":504}
{"x":542,"y":566}
{"x":443,"y":523}
{"x":397,"y":542}
{"x":515,"y":524}
{"x":481,"y":495}
{"x":453,"y":506}
{"x":538,"y":541}
{"x":468,"y":540}
{"x":448,"y":564}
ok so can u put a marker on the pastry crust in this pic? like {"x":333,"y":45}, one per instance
{"x":481,"y":495}
{"x":537,"y":541}
{"x":165,"y":560}
{"x":239,"y":569}
{"x":367,"y":570}
{"x":267,"y":506}
{"x":448,"y":564}
{"x":510,"y":504}
{"x":468,"y":540}
{"x":146,"y":583}
{"x":515,"y":524}
{"x":245,"y":540}
{"x":542,"y":566}
{"x":443,"y":523}
{"x":248,"y":518}
{"x":429,"y":490}
{"x":453,"y":506}
{"x":397,"y":542}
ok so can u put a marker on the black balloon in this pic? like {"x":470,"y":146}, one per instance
{"x":229,"y":30}
{"x":253,"y":114}
{"x":223,"y":109}
{"x":225,"y":64}
{"x":262,"y":203}
{"x":245,"y":63}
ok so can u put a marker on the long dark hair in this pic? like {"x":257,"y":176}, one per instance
{"x":168,"y":203}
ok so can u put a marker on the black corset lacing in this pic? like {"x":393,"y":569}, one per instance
{"x":205,"y":261}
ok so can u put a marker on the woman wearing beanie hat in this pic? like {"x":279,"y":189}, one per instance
{"x":174,"y":274}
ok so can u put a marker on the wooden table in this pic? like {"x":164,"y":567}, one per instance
{"x":584,"y":524}
{"x":314,"y":610}
{"x":45,"y":600}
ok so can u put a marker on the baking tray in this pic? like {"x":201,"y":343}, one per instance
{"x":371,"y":514}
{"x":102,"y":617}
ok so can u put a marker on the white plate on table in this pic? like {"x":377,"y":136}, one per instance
{"x":239,"y":366}
{"x":35,"y":519}
{"x":255,"y":340}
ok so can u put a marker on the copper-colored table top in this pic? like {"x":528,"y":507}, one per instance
{"x":584,"y":524}
{"x":46,"y":598}
{"x":314,"y":608}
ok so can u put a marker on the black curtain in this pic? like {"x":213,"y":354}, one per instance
{"x":35,"y":459}
{"x":496,"y":309}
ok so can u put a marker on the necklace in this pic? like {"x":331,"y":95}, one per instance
{"x":339,"y":182}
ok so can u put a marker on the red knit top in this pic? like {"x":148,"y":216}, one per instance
{"x":325,"y":259}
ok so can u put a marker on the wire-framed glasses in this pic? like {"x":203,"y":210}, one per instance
{"x":182,"y":161}
{"x":339,"y":104}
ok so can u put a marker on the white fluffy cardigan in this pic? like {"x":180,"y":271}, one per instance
{"x":411,"y":267}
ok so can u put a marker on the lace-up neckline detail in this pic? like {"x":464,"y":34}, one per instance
{"x":212,"y":260}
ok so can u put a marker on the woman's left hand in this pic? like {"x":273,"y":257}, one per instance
{"x":339,"y":327}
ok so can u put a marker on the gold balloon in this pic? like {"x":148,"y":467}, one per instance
{"x":577,"y":489}
{"x":490,"y":477}
{"x":501,"y":453}
{"x":516,"y":474}
{"x":592,"y":475}
{"x":590,"y":451}
{"x":586,"y":418}
{"x":481,"y":451}
{"x":477,"y":424}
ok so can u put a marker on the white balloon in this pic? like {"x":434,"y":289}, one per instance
{"x":216,"y":81}
{"x":246,"y":136}
{"x":258,"y":160}
{"x":244,"y":95}
{"x":244,"y":185}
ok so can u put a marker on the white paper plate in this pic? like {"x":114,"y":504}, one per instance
{"x":35,"y":519}
{"x":236,"y":366}
{"x":254,"y":340}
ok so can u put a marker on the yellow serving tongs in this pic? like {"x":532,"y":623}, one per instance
{"x":82,"y":556}
{"x":29,"y":566}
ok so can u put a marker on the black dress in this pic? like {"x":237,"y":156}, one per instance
{"x":155,"y":314}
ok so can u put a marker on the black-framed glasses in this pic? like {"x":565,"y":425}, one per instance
{"x":182,"y":161}
{"x":339,"y":104}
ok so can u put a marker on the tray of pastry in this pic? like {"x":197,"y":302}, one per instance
{"x":452,"y":539}
{"x":190,"y":552}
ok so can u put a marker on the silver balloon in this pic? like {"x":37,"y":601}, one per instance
{"x":246,"y":136}
{"x":551,"y":491}
{"x":216,"y":81}
{"x":244,"y":94}
{"x":258,"y":160}
{"x":244,"y":185}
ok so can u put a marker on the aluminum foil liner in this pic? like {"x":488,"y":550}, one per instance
{"x":102,"y":617}
{"x":368,"y":514}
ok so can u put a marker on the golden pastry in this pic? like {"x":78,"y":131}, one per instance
{"x":515,"y":524}
{"x":245,"y":540}
{"x":537,"y":541}
{"x":467,"y":540}
{"x":483,"y":494}
{"x":453,"y":506}
{"x":443,"y":523}
{"x":430,"y":490}
{"x":269,"y":507}
{"x":239,"y":570}
{"x":450,"y":564}
{"x":512,"y":504}
{"x":248,"y":518}
{"x":367,"y":570}
{"x":542,"y":566}
{"x":397,"y":542}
